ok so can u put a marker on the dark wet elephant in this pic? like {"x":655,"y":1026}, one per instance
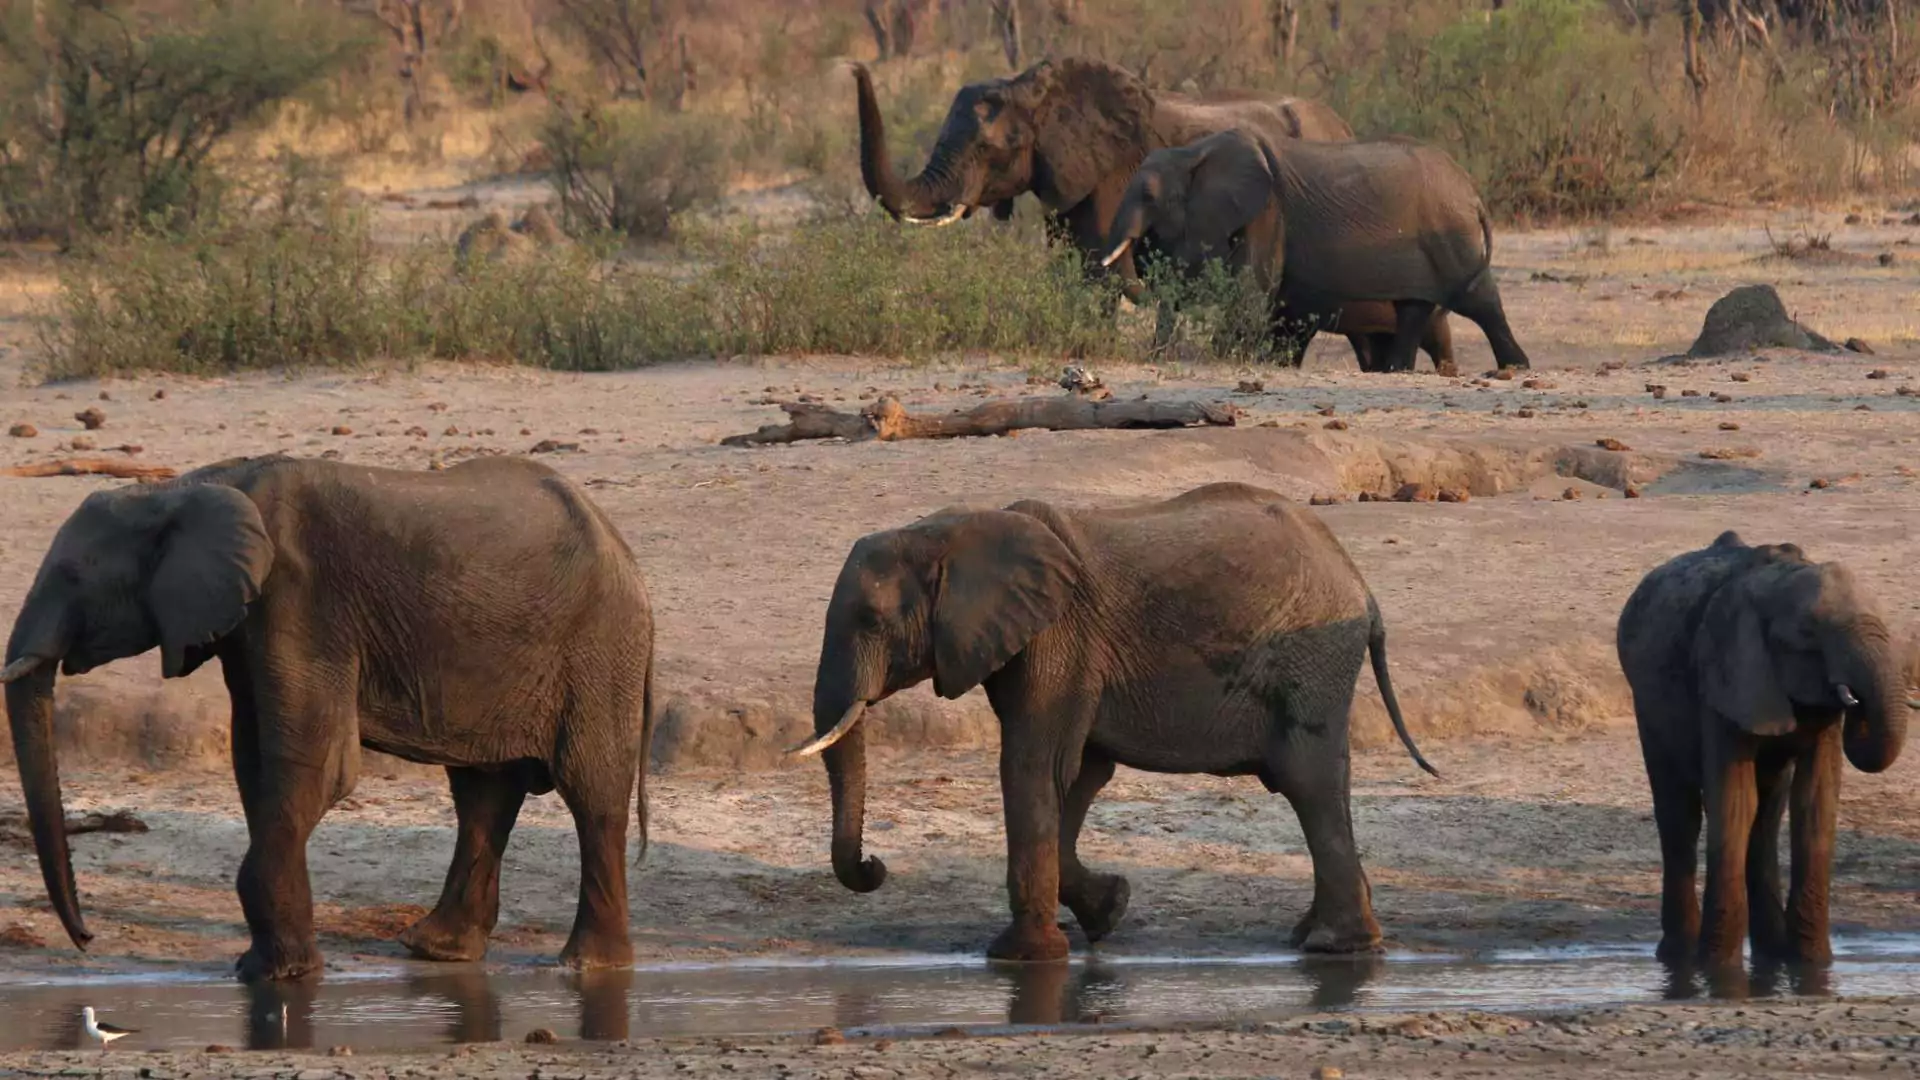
{"x":1071,"y":132}
{"x":1753,"y":671}
{"x":488,"y":618}
{"x":1218,"y":632}
{"x":1324,"y":225}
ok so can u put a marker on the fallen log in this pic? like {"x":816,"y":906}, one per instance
{"x":888,"y":421}
{"x":117,"y":467}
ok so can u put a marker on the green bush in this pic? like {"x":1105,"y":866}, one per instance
{"x":1224,"y":313}
{"x":631,"y":168}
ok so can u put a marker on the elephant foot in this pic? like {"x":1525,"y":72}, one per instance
{"x":1315,"y":935}
{"x":1446,"y":368}
{"x":275,"y":961}
{"x":590,"y":952}
{"x":433,"y":939}
{"x":1808,"y":950}
{"x":1676,"y":950}
{"x":1029,"y":943}
{"x":1099,"y":904}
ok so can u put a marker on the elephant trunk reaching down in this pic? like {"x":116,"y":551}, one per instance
{"x":933,"y":197}
{"x":843,"y":742}
{"x":1876,"y":727}
{"x":1129,"y":225}
{"x":29,"y":679}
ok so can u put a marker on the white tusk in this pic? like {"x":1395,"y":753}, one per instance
{"x":1114,"y":256}
{"x":951,"y":216}
{"x":20,"y":668}
{"x":1846,"y":695}
{"x":858,"y":710}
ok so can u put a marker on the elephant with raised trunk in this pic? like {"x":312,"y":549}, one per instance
{"x":1219,"y":632}
{"x":488,"y":618}
{"x":1754,"y":670}
{"x":1325,"y":225}
{"x":1072,"y":132}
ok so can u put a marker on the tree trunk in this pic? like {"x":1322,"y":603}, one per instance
{"x":887,"y":421}
{"x":1284,"y":19}
{"x":1006,"y":26}
{"x":1695,"y":66}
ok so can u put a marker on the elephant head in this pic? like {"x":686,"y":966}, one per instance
{"x":173,"y":566}
{"x":1055,"y":129}
{"x":952,"y":597}
{"x":1193,"y":199}
{"x":1790,"y":636}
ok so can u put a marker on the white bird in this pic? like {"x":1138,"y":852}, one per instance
{"x":102,"y":1033}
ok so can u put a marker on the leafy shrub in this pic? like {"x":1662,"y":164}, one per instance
{"x":631,"y":168}
{"x":1226,"y":314}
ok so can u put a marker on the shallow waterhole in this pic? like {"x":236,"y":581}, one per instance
{"x":410,"y":1005}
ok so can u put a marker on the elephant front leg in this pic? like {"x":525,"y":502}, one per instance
{"x":1313,"y":773}
{"x":1815,"y":802}
{"x":1031,"y":798}
{"x":1766,"y":900}
{"x":1676,"y":812}
{"x":275,"y":893}
{"x":488,"y":804}
{"x":1732,"y":802}
{"x":1098,"y":901}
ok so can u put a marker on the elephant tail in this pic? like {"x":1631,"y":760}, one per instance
{"x":1377,"y":650}
{"x":1486,"y":242}
{"x":644,"y":757}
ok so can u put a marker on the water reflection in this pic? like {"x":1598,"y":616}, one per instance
{"x":1735,"y":982}
{"x":280,"y":1014}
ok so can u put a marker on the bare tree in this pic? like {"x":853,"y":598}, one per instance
{"x":622,"y":33}
{"x":1283,"y":17}
{"x":1695,"y":66}
{"x":1006,"y":27}
{"x":895,"y":24}
{"x":418,"y":27}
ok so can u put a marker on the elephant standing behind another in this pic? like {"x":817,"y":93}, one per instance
{"x":488,"y":618}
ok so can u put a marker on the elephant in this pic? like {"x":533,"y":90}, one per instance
{"x":1220,"y":631}
{"x":1753,"y":669}
{"x":487,"y":617}
{"x":1324,"y":225}
{"x":1071,"y":132}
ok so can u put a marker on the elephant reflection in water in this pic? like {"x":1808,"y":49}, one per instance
{"x":280,"y":1014}
{"x":476,"y":1008}
{"x":605,"y":1015}
{"x":1045,"y":994}
{"x":1770,"y":978}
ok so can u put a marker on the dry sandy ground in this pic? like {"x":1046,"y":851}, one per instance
{"x":1500,"y":610}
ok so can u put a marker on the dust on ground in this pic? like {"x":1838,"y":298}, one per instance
{"x":1500,"y":612}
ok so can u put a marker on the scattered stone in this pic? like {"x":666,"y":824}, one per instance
{"x":1572,"y":494}
{"x":552,"y":446}
{"x":1536,"y":384}
{"x":1853,"y":219}
{"x":542,"y":1037}
{"x":1524,"y":414}
{"x":1502,"y":374}
{"x":1689,"y":393}
{"x":91,"y":418}
{"x":451,"y":430}
{"x":81,"y":442}
{"x":1659,"y":392}
{"x":1752,"y":317}
{"x":339,"y":1051}
{"x":1722,"y":398}
{"x":24,"y":431}
{"x":1879,"y":373}
{"x":1326,"y":1072}
{"x":21,"y":936}
{"x":828,"y":1036}
{"x":1611,"y":444}
{"x":529,"y":431}
{"x":1250,"y":386}
{"x":1740,"y":376}
{"x":160,"y":395}
{"x":1415,"y":493}
{"x":1325,"y":500}
{"x":1819,"y":483}
{"x":1906,"y":390}
{"x":342,"y":429}
{"x":1455,"y":495}
{"x":219,"y":1048}
{"x":417,"y":431}
{"x":1728,"y":425}
{"x":1729,"y":453}
{"x":1632,"y":492}
{"x":1335,"y":425}
{"x":436,"y":406}
{"x":1863,"y":408}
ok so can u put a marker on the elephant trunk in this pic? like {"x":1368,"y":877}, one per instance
{"x":925,"y":198}
{"x":839,"y":703}
{"x":30,"y":715}
{"x":1876,"y":728}
{"x":1129,"y":225}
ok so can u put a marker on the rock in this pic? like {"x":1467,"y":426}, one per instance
{"x":828,"y":1036}
{"x":342,"y":429}
{"x":1415,"y":493}
{"x":436,"y":406}
{"x":315,"y":1074}
{"x":418,"y":432}
{"x":1536,"y":384}
{"x":1659,"y":392}
{"x":1335,"y":425}
{"x":1689,"y":393}
{"x":24,"y":431}
{"x":339,"y":1051}
{"x":1503,"y":374}
{"x":1250,"y":386}
{"x":1906,"y":390}
{"x":219,"y":1048}
{"x":1854,"y":344}
{"x":1728,"y":425}
{"x":1326,"y":1072}
{"x":542,"y":1037}
{"x":1631,"y":492}
{"x":21,"y":936}
{"x":81,"y":442}
{"x":1729,"y":453}
{"x":551,"y":446}
{"x":91,"y":418}
{"x":1611,"y":444}
{"x":1819,"y":483}
{"x":160,"y":395}
{"x":1885,"y":258}
{"x":1722,"y":398}
{"x":1524,"y":414}
{"x":1570,"y":495}
{"x":1853,"y":219}
{"x":1752,"y":317}
{"x":1740,"y":376}
{"x":451,"y":430}
{"x":1325,"y":500}
{"x":1879,"y":373}
{"x":1454,"y":495}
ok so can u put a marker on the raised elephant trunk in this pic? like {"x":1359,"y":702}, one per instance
{"x":928,"y":198}
{"x":1876,"y":720}
{"x":29,"y":680}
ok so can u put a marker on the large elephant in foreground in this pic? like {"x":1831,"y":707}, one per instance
{"x":488,"y":618}
{"x":1071,"y":132}
{"x":1217,"y":632}
{"x":1324,"y":225}
{"x":1753,"y":670}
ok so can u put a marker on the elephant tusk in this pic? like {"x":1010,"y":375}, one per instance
{"x":1846,"y":695}
{"x":1114,"y":255}
{"x":20,"y":668}
{"x":959,"y":210}
{"x":1913,"y":703}
{"x":858,"y":710}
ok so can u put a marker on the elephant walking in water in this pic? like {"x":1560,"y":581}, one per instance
{"x":488,"y":618}
{"x":1219,"y":632}
{"x":1753,"y":671}
{"x":1072,"y":132}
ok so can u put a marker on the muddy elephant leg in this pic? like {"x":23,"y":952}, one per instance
{"x":1815,"y":801}
{"x":487,"y":803}
{"x":1412,"y":318}
{"x":1033,"y":800}
{"x":594,"y":774}
{"x":1098,"y":901}
{"x":1481,"y":303}
{"x":1766,"y":900}
{"x":1676,"y":812}
{"x":1732,"y":802}
{"x":1315,"y":778}
{"x":1438,"y":344}
{"x":275,"y":893}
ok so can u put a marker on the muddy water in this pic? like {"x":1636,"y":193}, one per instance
{"x":421,"y":1005}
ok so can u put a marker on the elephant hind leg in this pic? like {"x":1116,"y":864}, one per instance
{"x":1098,"y":901}
{"x":595,"y":773}
{"x":1481,"y":303}
{"x":1313,"y":772}
{"x":487,"y":803}
{"x":1414,"y":318}
{"x":1766,"y":900}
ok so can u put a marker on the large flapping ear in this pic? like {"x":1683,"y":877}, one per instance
{"x":1030,"y":87}
{"x":214,"y":557}
{"x":1004,"y":577}
{"x":1231,"y":185}
{"x":1736,"y":670}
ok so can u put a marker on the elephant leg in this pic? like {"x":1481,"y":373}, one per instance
{"x":1438,"y":343}
{"x":594,"y":772}
{"x":1481,"y":303}
{"x":1412,"y":318}
{"x":1815,"y":802}
{"x":276,"y":895}
{"x":1766,"y":900}
{"x":487,"y":803}
{"x":1732,"y":802}
{"x":1676,"y":812}
{"x":1314,"y":775}
{"x":1033,"y":800}
{"x":1098,"y":901}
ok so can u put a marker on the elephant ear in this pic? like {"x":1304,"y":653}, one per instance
{"x":1004,"y":578}
{"x":1231,"y":186}
{"x":1737,"y":672}
{"x":214,"y":556}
